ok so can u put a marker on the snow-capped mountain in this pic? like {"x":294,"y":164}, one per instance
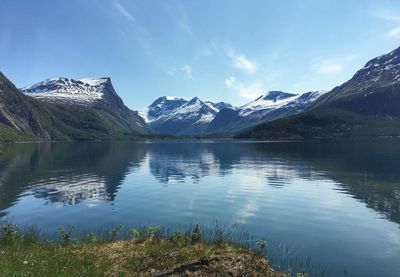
{"x":367,"y":105}
{"x":265,"y":103}
{"x":65,"y":90}
{"x":380,"y":72}
{"x":220,"y":105}
{"x":385,"y":68}
{"x":272,"y":105}
{"x":96,"y":93}
{"x":178,"y":116}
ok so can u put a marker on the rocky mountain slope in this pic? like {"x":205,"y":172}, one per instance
{"x":177,"y":116}
{"x":96,"y":93}
{"x":272,"y":105}
{"x":23,"y":117}
{"x":365,"y":106}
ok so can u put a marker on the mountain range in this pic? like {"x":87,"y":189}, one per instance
{"x":176,"y":116}
{"x":267,"y":107}
{"x":90,"y":109}
{"x":367,"y":105}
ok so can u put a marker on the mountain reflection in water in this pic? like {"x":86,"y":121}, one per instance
{"x":70,"y":173}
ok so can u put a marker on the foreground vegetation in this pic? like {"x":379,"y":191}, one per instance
{"x":148,"y":252}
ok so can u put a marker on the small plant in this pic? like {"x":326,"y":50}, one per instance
{"x":303,"y":274}
{"x":9,"y":232}
{"x":66,"y":234}
{"x":153,"y":232}
{"x":158,"y":231}
{"x":134,"y":233}
{"x":219,"y":237}
{"x":196,"y":235}
{"x":262,"y":244}
{"x":179,"y":238}
{"x":91,"y":237}
{"x":114,"y":232}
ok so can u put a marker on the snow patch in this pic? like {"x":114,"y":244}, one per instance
{"x":83,"y":91}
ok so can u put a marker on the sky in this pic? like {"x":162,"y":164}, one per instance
{"x":218,"y":50}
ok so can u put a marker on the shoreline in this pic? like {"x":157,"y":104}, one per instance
{"x":148,"y":252}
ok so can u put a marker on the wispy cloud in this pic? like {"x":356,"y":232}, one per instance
{"x":247,"y":91}
{"x":208,"y":50}
{"x":250,"y":91}
{"x":123,"y":11}
{"x":387,"y":15}
{"x":180,"y":17}
{"x":230,"y":81}
{"x":393,"y":20}
{"x":171,"y":72}
{"x":393,"y":33}
{"x":240,"y":61}
{"x":187,"y":69}
{"x":328,"y":66}
{"x":129,"y":28}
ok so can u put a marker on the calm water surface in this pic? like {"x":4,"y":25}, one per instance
{"x":335,"y":201}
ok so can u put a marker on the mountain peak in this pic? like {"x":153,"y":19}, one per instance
{"x":96,"y":81}
{"x":181,"y":116}
{"x":194,"y":100}
{"x":167,"y":99}
{"x":67,"y":90}
{"x":277,"y":95}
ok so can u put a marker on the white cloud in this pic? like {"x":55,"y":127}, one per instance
{"x":328,"y":66}
{"x":247,"y":91}
{"x":386,"y":15}
{"x":250,"y":91}
{"x":122,"y":10}
{"x":393,"y":33}
{"x":187,"y":69}
{"x":392,"y":19}
{"x":229,"y":82}
{"x":241,"y":61}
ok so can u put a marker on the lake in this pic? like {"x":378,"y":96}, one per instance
{"x":335,"y":201}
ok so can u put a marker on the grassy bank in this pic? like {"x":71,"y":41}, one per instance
{"x":148,"y":252}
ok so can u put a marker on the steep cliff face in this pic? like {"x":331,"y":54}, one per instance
{"x":17,"y":112}
{"x":92,"y":93}
{"x":23,"y":117}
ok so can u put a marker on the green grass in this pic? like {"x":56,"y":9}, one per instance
{"x":9,"y":134}
{"x":147,"y":252}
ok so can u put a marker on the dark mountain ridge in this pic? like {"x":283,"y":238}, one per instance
{"x":365,"y":106}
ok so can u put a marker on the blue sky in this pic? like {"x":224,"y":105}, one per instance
{"x":217,"y":50}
